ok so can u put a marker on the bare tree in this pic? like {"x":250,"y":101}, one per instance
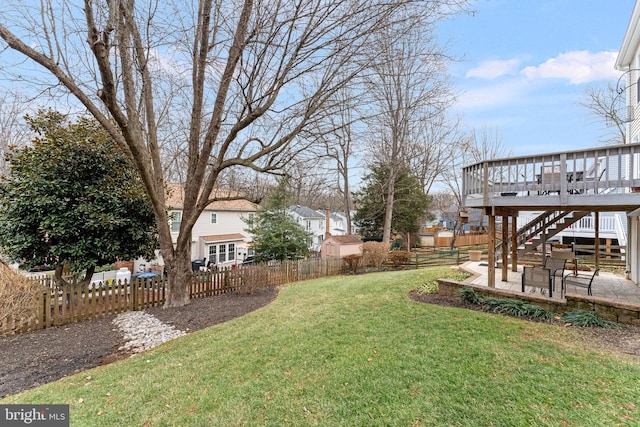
{"x":341,"y":143}
{"x":254,"y":74}
{"x":14,"y":133}
{"x":480,"y":145}
{"x":309,"y":181}
{"x":608,"y":106}
{"x":409,"y":90}
{"x":437,"y":143}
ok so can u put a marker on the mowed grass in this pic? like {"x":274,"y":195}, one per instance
{"x":357,"y":351}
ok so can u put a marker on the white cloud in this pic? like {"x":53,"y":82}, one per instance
{"x":496,"y":95}
{"x":578,"y":67}
{"x":495,"y":68}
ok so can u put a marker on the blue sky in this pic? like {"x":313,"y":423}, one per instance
{"x":526,"y":64}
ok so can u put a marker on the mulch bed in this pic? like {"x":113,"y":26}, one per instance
{"x":32,"y":359}
{"x":625,"y":339}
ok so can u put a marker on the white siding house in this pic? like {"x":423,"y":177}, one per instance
{"x":315,"y":221}
{"x":312,"y":221}
{"x":628,"y":62}
{"x":218,"y":236}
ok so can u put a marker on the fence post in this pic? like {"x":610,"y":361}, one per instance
{"x":134,"y":294}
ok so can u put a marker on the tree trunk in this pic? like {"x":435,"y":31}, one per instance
{"x":347,"y":204}
{"x":57,"y":277}
{"x":388,"y":215}
{"x":177,"y":261}
{"x":179,"y":276}
{"x":456,"y":226}
{"x":88,"y":275}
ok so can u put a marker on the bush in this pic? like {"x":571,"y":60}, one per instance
{"x":468,"y":296}
{"x":587,"y":319}
{"x":515,"y":308}
{"x":18,"y":296}
{"x":430,"y":287}
{"x":375,"y":253}
{"x":248,"y":279}
{"x":399,"y":258}
{"x":106,"y":267}
{"x":504,"y":305}
{"x":352,"y":262}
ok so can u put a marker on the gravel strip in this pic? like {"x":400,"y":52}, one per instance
{"x":143,"y":331}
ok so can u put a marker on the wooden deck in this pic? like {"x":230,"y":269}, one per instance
{"x":603,"y":179}
{"x":596,"y":180}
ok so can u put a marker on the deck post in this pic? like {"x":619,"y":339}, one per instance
{"x":543,"y":236}
{"x":597,"y":240}
{"x":514,"y":243}
{"x":630,"y":251}
{"x":505,"y":247}
{"x":563,"y":180}
{"x":491,"y":261}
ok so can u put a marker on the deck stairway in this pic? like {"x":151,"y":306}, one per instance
{"x":542,"y":228}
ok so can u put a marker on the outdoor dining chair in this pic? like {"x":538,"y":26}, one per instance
{"x":556,"y":266}
{"x":580,"y":280}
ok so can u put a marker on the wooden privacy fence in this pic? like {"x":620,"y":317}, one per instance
{"x":58,"y":305}
{"x":466,"y":240}
{"x":608,"y":254}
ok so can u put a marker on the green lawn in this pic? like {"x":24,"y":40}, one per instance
{"x":356,"y":351}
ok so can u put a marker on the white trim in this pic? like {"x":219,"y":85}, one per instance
{"x":630,"y":42}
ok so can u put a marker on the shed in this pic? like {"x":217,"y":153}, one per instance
{"x":340,"y":246}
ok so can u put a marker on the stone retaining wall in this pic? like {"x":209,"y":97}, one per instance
{"x":615,"y":311}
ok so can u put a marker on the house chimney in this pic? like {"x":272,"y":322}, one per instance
{"x":327,"y":224}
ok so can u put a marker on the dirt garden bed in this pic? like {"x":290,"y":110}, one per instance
{"x":625,"y":339}
{"x":36,"y":358}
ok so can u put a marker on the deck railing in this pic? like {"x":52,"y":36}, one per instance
{"x":602,"y":170}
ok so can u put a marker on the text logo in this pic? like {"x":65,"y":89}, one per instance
{"x":34,"y":415}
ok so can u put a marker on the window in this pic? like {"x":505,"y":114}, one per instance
{"x":175,"y":219}
{"x":214,"y":218}
{"x":308,"y":225}
{"x":224,"y":252}
{"x":212,"y":254}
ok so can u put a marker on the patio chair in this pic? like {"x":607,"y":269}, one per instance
{"x":580,"y":280}
{"x":569,"y":255}
{"x":537,"y":277}
{"x":557,"y":266}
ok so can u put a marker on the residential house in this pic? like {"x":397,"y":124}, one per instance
{"x":628,"y":62}
{"x":312,"y":221}
{"x":315,"y":221}
{"x":338,"y":224}
{"x":218,"y":236}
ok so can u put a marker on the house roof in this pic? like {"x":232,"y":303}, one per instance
{"x":222,"y":237}
{"x":175,"y":199}
{"x":350,"y":239}
{"x":306,"y":212}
